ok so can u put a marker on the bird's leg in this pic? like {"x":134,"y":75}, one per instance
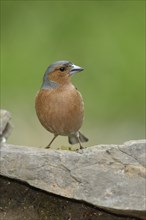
{"x":80,"y":150}
{"x":81,"y":147}
{"x":55,"y":136}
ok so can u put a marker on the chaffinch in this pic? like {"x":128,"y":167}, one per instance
{"x":59,"y":105}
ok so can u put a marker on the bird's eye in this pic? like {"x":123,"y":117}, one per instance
{"x":62,"y":69}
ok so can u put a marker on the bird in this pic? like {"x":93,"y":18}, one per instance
{"x":59,"y":105}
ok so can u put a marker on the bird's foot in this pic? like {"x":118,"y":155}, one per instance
{"x":80,"y":150}
{"x":47,"y":147}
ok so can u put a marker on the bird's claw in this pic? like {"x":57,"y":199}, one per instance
{"x":80,"y":151}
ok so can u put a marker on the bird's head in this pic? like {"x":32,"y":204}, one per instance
{"x":59,"y":73}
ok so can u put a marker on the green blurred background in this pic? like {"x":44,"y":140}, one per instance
{"x":105,"y":37}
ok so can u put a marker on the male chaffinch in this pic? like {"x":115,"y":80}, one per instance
{"x":59,"y":105}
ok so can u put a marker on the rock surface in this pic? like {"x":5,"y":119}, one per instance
{"x":112,"y":177}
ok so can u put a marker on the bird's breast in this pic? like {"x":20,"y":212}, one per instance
{"x":60,"y":110}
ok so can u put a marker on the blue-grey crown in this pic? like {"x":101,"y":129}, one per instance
{"x":53,"y":65}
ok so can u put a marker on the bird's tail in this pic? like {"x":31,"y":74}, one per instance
{"x":75,"y":138}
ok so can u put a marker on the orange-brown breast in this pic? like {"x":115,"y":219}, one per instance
{"x":60,"y":110}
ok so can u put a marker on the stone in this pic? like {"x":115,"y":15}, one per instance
{"x":5,"y":125}
{"x":111,"y":177}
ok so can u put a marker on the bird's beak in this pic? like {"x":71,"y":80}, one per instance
{"x":75,"y":69}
